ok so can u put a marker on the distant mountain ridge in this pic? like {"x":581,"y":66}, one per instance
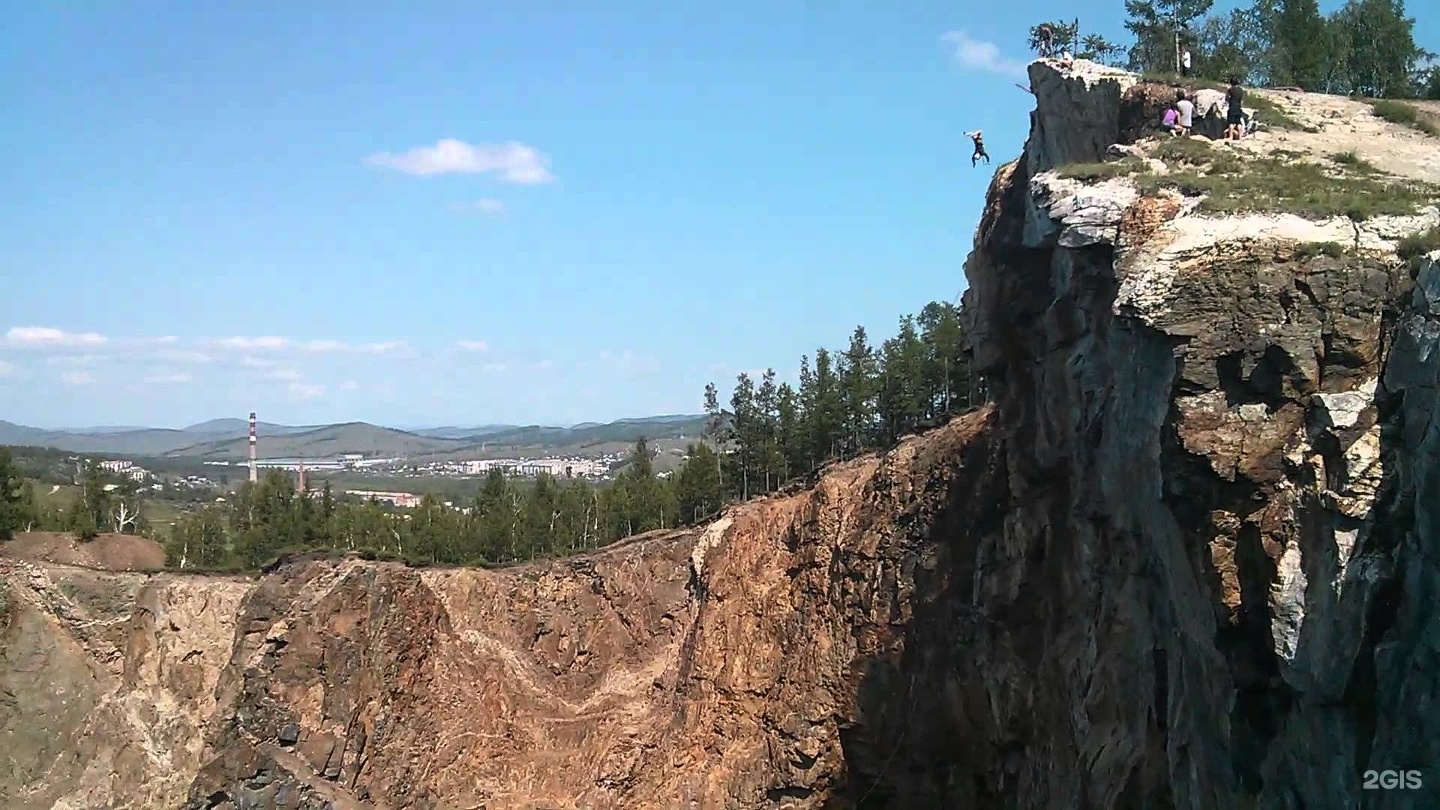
{"x":227,"y":439}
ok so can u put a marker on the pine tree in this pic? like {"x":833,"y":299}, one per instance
{"x":715,"y":425}
{"x":1377,"y":50}
{"x":767,"y":418}
{"x":697,"y":486}
{"x":789,"y":423}
{"x":824,"y":410}
{"x":745,"y":433}
{"x":1302,"y":44}
{"x":542,"y":505}
{"x":13,"y":515}
{"x":858,"y":388}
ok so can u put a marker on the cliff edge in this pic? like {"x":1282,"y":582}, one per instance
{"x":1187,"y":558}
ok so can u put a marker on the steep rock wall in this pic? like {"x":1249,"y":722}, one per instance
{"x":1221,"y":452}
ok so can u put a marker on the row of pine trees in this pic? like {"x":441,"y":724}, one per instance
{"x":767,"y":434}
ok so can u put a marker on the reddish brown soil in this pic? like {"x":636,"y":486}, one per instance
{"x":108,"y":552}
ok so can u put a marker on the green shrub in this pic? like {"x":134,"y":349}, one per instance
{"x":1310,"y":250}
{"x":1355,"y":163}
{"x":1397,"y":112}
{"x":1416,"y":246}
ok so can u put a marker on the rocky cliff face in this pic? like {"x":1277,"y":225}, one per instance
{"x":1187,"y":558}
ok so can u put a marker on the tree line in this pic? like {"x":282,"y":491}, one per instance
{"x":1364,"y":48}
{"x":844,"y":402}
{"x":506,"y":521}
{"x":103,"y":503}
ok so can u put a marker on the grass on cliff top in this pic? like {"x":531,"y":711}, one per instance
{"x":1398,"y":112}
{"x":1095,"y":172}
{"x":1304,"y":189}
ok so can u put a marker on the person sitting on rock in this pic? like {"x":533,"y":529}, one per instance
{"x":1186,"y":110}
{"x":1066,"y":60}
{"x":1171,"y":122}
{"x":979,"y":148}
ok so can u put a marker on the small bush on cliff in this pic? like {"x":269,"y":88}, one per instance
{"x":1311,"y":250}
{"x":1398,"y":112}
{"x":1415,"y":247}
{"x":1355,"y":163}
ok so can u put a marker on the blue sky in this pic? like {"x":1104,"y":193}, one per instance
{"x":462,"y":213}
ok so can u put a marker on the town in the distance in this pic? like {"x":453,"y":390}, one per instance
{"x":395,"y":467}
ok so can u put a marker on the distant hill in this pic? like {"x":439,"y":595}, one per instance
{"x":536,"y":438}
{"x":227,"y":439}
{"x":462,"y":432}
{"x":144,"y":442}
{"x":241,"y":427}
{"x":352,"y":437}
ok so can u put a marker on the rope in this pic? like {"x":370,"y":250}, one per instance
{"x":889,"y":760}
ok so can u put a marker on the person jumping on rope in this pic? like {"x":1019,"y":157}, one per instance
{"x":979,"y":148}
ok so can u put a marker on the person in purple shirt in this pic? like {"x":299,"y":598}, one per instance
{"x":1171,"y":121}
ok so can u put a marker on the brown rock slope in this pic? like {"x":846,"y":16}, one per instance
{"x":726,"y":667}
{"x":1187,"y":559}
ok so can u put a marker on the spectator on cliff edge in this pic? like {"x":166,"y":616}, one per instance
{"x":1185,"y":63}
{"x":979,"y":148}
{"x":1047,"y":41}
{"x":1235,"y":115}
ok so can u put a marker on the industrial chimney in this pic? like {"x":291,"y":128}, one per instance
{"x":254,"y":474}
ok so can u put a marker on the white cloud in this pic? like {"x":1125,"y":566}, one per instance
{"x":324,"y":346}
{"x":514,"y":162}
{"x":168,"y":340}
{"x":385,"y":348}
{"x":628,"y":361}
{"x":282,"y":374}
{"x":265,"y":343}
{"x":472,"y":345}
{"x":274,"y":343}
{"x":168,"y":377}
{"x":49,"y":337}
{"x":301,"y":390}
{"x":186,"y":356}
{"x":349,"y":385}
{"x":977,"y":54}
{"x":485,"y":206}
{"x":76,"y":378}
{"x":73,"y":360}
{"x":495,"y":367}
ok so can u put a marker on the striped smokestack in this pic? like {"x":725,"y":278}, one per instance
{"x":254,"y":474}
